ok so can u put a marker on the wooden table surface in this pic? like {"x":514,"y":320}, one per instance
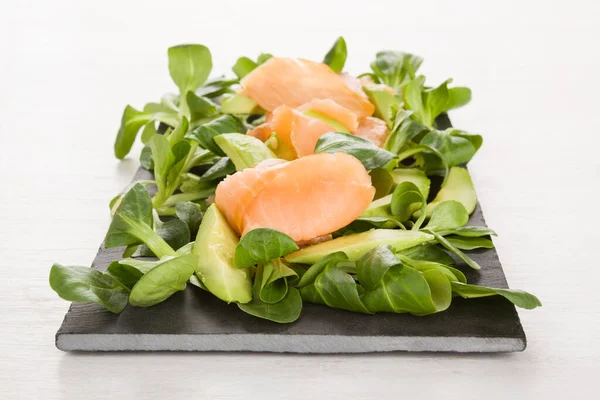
{"x":68,"y":68}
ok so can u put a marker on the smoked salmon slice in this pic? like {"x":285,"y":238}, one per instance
{"x":305,"y":133}
{"x":308,"y":197}
{"x":331,"y":109}
{"x":236,"y":191}
{"x":373,"y":129}
{"x":301,"y":131}
{"x":279,"y":121}
{"x":294,"y":82}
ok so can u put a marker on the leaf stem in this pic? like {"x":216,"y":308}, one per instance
{"x":154,"y":242}
{"x":166,"y":211}
{"x":449,"y":246}
{"x":146,"y":182}
{"x":409,"y":152}
{"x":422,"y":217}
{"x":191,"y":158}
{"x":176,"y":198}
{"x":161,"y":198}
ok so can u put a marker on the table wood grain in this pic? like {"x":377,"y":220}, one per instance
{"x":68,"y":68}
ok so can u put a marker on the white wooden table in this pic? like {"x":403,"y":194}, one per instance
{"x":67,"y":69}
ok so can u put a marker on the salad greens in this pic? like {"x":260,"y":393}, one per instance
{"x":395,"y":69}
{"x":243,"y":66}
{"x":88,"y":285}
{"x":399,"y":256}
{"x":158,"y":284}
{"x":262,"y":245}
{"x":429,"y":103}
{"x":273,"y":296}
{"x":189,"y":66}
{"x":175,"y":232}
{"x":367,"y":153}
{"x":191,"y":214}
{"x":517,"y":297}
{"x":206,"y":133}
{"x":381,"y":282}
{"x":406,"y":199}
{"x":132,"y":224}
{"x":336,"y":57}
{"x":244,"y":151}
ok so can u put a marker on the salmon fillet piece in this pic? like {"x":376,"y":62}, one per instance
{"x":293,"y":82}
{"x":311,"y":197}
{"x":373,"y":129}
{"x":367,"y":82}
{"x":236,"y":191}
{"x":262,"y":132}
{"x":331,"y":109}
{"x":301,"y":131}
{"x":306,"y":131}
{"x":279,"y":121}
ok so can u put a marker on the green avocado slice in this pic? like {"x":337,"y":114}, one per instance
{"x":215,"y":253}
{"x":238,"y":104}
{"x":245,"y":151}
{"x":459,"y":187}
{"x":359,"y":244}
{"x":381,"y":207}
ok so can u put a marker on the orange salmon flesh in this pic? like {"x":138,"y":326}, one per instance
{"x":294,"y":82}
{"x":306,"y":198}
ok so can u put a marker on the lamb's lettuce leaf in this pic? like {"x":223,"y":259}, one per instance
{"x":448,"y":215}
{"x":169,"y":163}
{"x":243,"y":66}
{"x":206,"y":133}
{"x":428,"y":103}
{"x":395,"y":68}
{"x":262,"y":245}
{"x":87,"y":285}
{"x":132,"y":224}
{"x":518,"y":297}
{"x":336,"y":56}
{"x":162,"y":281}
{"x":219,"y":169}
{"x":406,"y":199}
{"x":470,"y":243}
{"x":286,"y":310}
{"x":370,"y":155}
{"x":189,"y":66}
{"x":191,"y":214}
{"x":456,"y":147}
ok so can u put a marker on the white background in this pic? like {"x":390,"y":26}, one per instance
{"x":67,"y":69}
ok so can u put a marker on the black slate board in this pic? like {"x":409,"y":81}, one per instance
{"x":194,"y":320}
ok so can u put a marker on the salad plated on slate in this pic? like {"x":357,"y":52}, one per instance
{"x":295,"y":182}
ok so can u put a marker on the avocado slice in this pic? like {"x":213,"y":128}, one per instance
{"x":280,"y":148}
{"x":215,"y":253}
{"x":381,"y":207}
{"x":238,"y":104}
{"x":357,"y":245}
{"x":333,"y":123}
{"x":243,"y":150}
{"x":385,"y":103}
{"x":414,"y":175}
{"x":459,"y":187}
